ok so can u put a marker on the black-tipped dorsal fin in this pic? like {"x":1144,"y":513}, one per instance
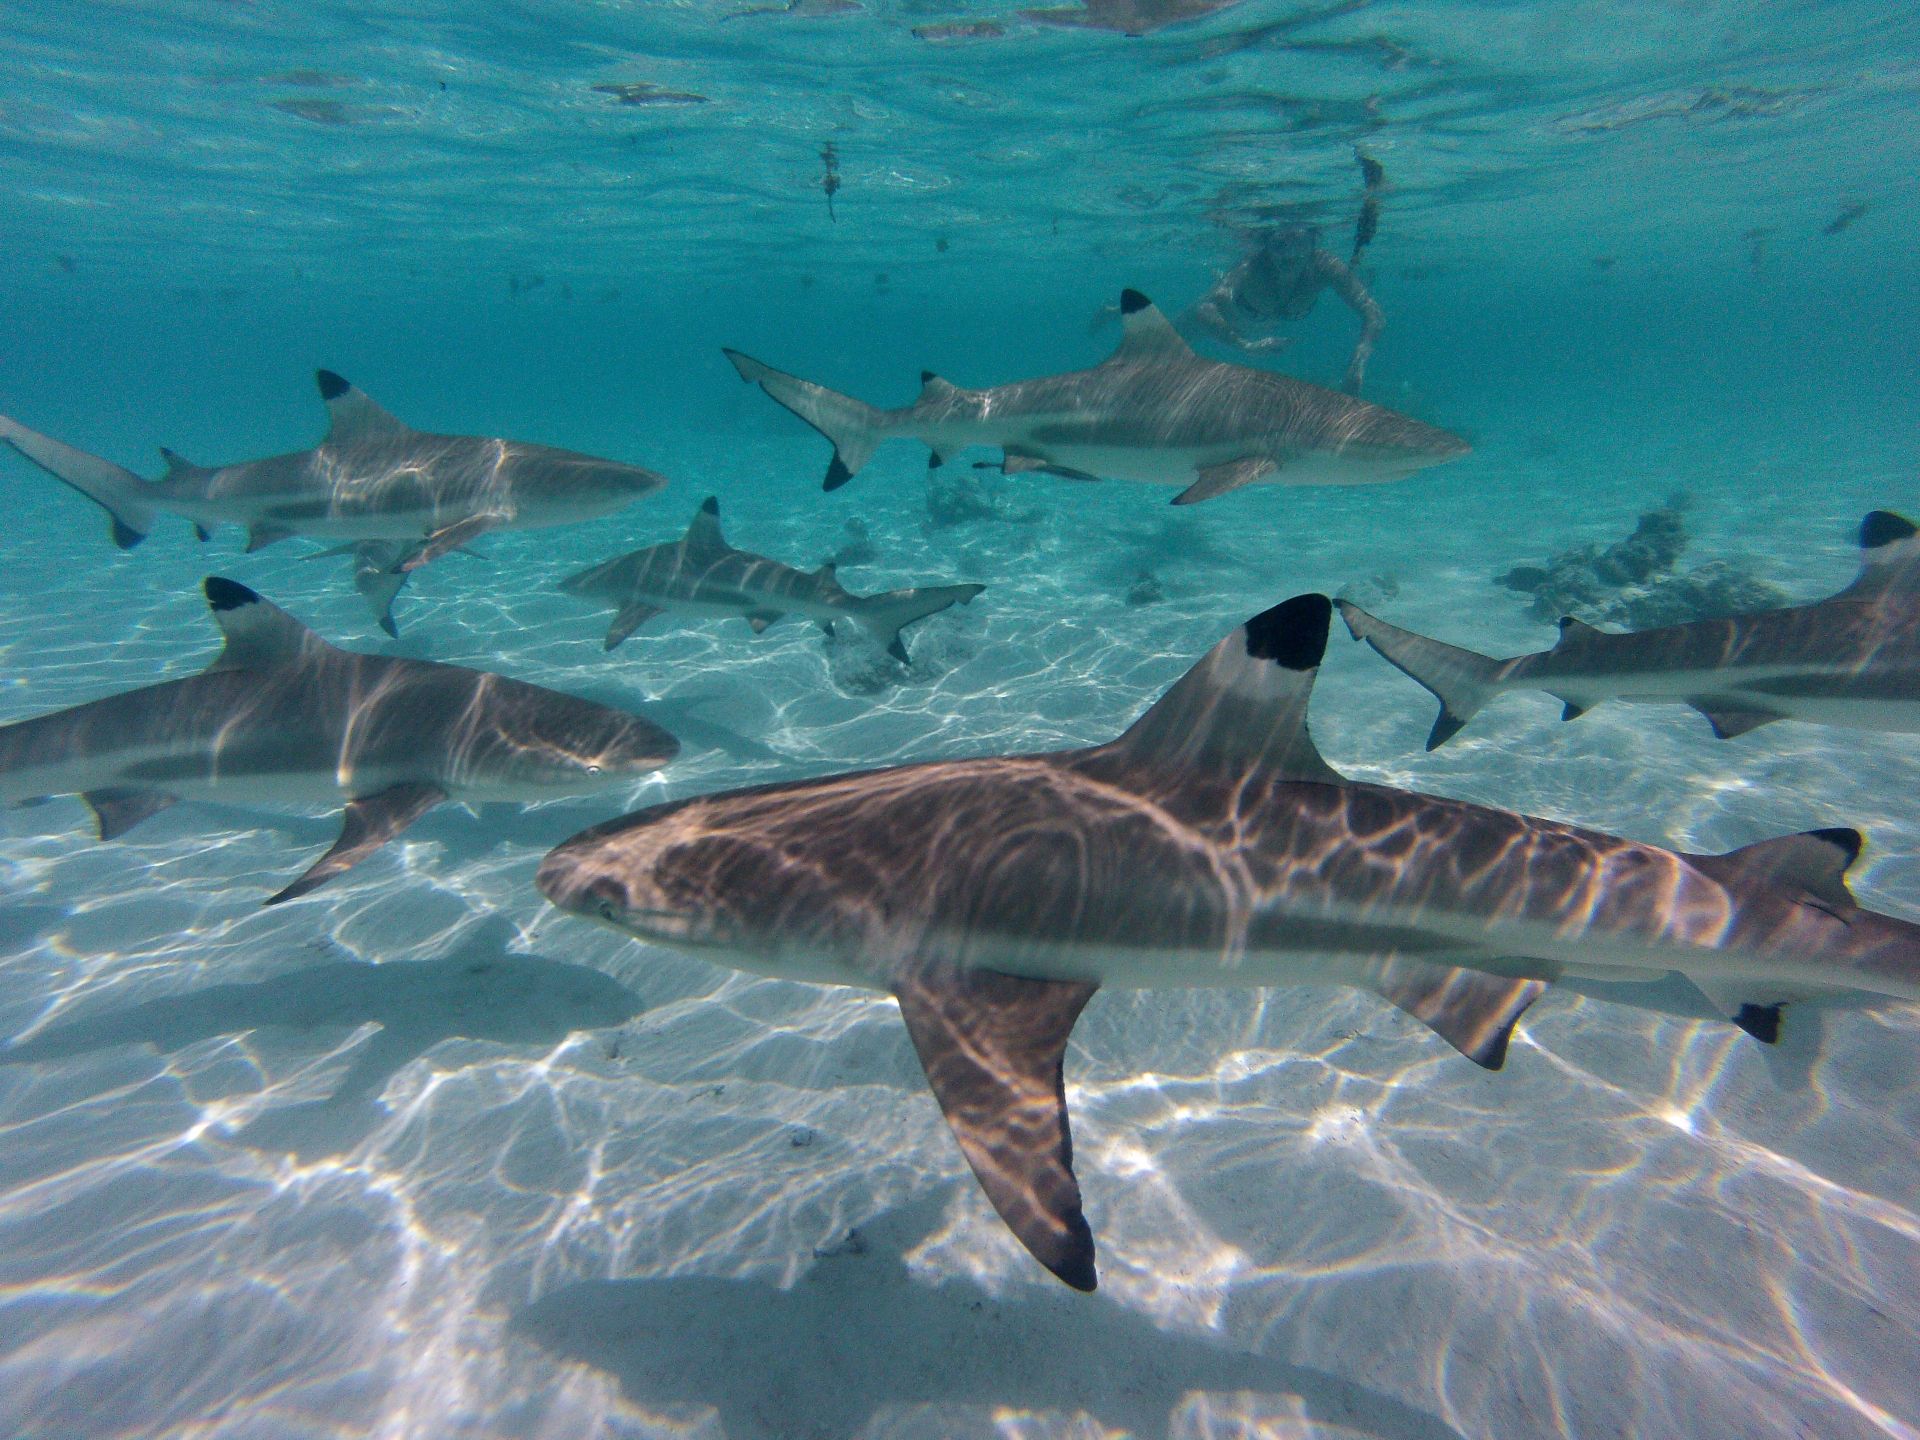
{"x":258,"y":632}
{"x":1146,"y":334}
{"x":352,"y":416}
{"x":1815,"y":861}
{"x":178,"y":464}
{"x":993,"y":1046}
{"x":1244,"y":706}
{"x":1471,"y":1010}
{"x":1575,"y":631}
{"x":1889,"y":553}
{"x":934,"y":389}
{"x":704,"y":532}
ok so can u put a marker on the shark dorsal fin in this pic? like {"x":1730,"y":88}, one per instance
{"x":351,"y":414}
{"x":1575,"y":631}
{"x":258,"y":632}
{"x":1244,"y":706}
{"x":1815,"y":861}
{"x":1146,"y":334}
{"x":934,"y":389}
{"x":828,"y":573}
{"x":704,"y":532}
{"x":177,"y":464}
{"x":1889,"y":554}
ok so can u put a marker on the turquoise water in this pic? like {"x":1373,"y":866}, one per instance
{"x":420,"y":1156}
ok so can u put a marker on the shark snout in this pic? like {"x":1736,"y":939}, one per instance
{"x":570,"y":879}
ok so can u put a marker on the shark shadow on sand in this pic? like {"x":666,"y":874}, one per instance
{"x":481,"y":991}
{"x":784,"y":1363}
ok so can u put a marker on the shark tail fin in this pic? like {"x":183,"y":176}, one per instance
{"x":853,"y":426}
{"x":1461,"y":680}
{"x":885,"y":616}
{"x":122,"y":494}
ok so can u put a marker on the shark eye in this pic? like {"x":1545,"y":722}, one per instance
{"x":609,"y":910}
{"x":593,"y":769}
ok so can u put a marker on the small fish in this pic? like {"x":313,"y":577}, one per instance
{"x":959,"y":31}
{"x":830,"y":183}
{"x":1845,"y":218}
{"x":1127,"y":17}
{"x":644,"y":92}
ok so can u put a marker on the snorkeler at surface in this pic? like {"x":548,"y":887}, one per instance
{"x":1280,"y":280}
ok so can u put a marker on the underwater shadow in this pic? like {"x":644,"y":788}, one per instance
{"x":480,"y":992}
{"x":858,"y":1335}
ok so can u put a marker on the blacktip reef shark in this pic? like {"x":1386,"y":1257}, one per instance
{"x":372,"y":478}
{"x":700,"y":574}
{"x":1154,"y":411}
{"x":1852,"y":659}
{"x":1210,"y":845}
{"x":282,"y":717}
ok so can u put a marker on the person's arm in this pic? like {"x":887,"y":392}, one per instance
{"x":1213,"y":316}
{"x":1347,"y":286}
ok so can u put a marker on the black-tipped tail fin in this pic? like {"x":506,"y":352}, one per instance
{"x":127,"y":499}
{"x":853,"y":426}
{"x":1461,"y":680}
{"x":885,"y":616}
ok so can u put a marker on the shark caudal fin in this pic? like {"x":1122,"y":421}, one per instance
{"x":125,"y":497}
{"x":885,"y":616}
{"x":1461,"y":680}
{"x":853,"y":426}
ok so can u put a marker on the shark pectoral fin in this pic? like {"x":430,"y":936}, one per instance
{"x":1471,"y":1010}
{"x":1815,"y":861}
{"x":761,"y":619}
{"x":1736,"y":999}
{"x":1228,"y":475}
{"x":1731,"y":717}
{"x":369,"y":823}
{"x":629,"y":619}
{"x":992,"y":1046}
{"x":452,"y":537}
{"x":262,"y":535}
{"x":118,"y":809}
